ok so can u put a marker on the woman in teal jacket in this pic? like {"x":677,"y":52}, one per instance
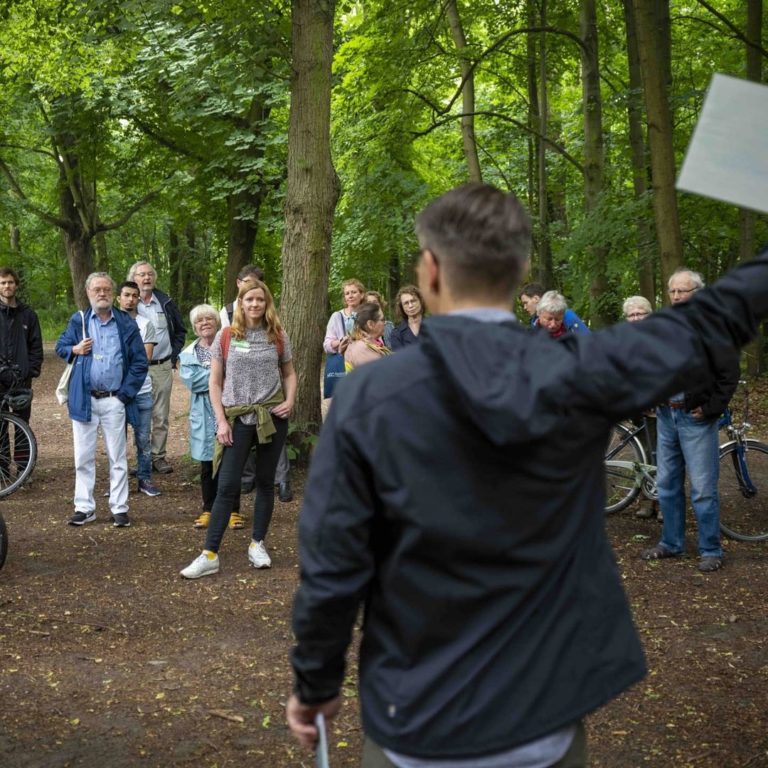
{"x":194,"y":371}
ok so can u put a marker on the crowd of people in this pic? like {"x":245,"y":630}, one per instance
{"x":114,"y":384}
{"x":472,"y":562}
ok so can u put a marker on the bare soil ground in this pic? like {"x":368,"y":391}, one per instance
{"x":108,"y":659}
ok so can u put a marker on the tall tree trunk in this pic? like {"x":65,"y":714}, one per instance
{"x":77,"y":243}
{"x":533,"y":121}
{"x":593,"y":154}
{"x":545,"y":271}
{"x":643,"y":227}
{"x":756,"y":351}
{"x":650,"y":38}
{"x":468,"y":91}
{"x":14,"y":240}
{"x":241,"y":236}
{"x":313,"y":189}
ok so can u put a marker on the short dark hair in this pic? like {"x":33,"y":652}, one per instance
{"x":251,"y":270}
{"x":533,"y":289}
{"x":8,"y":272}
{"x":480,"y":236}
{"x":134,"y":286}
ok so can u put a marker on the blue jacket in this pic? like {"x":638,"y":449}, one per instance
{"x":202,"y":422}
{"x":572,"y":322}
{"x":135,"y":365}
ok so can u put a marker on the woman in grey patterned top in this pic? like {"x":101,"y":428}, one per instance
{"x":253,"y":390}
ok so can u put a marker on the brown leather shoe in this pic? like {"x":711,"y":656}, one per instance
{"x":162,"y":467}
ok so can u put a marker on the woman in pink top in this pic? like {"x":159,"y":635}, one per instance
{"x":366,"y":344}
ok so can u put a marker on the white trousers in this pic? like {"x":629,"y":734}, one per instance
{"x":109,"y":414}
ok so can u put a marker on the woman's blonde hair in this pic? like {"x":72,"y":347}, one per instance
{"x":271,"y":320}
{"x":352,"y":281}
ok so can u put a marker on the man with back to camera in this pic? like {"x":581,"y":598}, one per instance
{"x":21,"y":344}
{"x":687,"y":443}
{"x":163,"y":313}
{"x":468,"y":517}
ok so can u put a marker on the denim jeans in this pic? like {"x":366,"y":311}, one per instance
{"x":230,"y":475}
{"x":141,"y":436}
{"x":685,"y":442}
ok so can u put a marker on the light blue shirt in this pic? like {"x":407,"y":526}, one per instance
{"x":107,"y":364}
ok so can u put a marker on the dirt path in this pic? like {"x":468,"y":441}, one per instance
{"x":109,"y":659}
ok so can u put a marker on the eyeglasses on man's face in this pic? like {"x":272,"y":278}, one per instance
{"x":680,"y":291}
{"x":636,"y":315}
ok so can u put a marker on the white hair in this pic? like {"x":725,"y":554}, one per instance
{"x":552,"y":302}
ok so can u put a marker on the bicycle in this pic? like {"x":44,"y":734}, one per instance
{"x":743,"y":472}
{"x":18,"y":445}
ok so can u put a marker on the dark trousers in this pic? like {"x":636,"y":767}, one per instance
{"x":575,"y":757}
{"x":20,"y":443}
{"x":230,"y":475}
{"x":209,"y":484}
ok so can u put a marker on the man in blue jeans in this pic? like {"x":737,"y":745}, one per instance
{"x":128,"y":300}
{"x":688,"y":439}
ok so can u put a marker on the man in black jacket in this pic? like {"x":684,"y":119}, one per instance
{"x":467,"y":516}
{"x":21,"y":342}
{"x":687,"y":444}
{"x":160,"y":309}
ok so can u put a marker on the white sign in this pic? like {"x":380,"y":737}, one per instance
{"x":727,"y":158}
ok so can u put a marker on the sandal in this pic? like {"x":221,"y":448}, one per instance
{"x":658,"y":553}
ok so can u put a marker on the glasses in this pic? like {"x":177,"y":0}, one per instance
{"x":636,"y":315}
{"x":144,"y":274}
{"x":410,"y":302}
{"x":680,"y":291}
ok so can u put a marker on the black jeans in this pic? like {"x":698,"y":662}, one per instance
{"x":230,"y":475}
{"x":209,"y":484}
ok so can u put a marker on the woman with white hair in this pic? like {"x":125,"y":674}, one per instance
{"x":194,"y":372}
{"x":551,"y":312}
{"x":636,"y":308}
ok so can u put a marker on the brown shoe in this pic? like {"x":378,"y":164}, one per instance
{"x":708,"y":564}
{"x":162,"y":467}
{"x":646,"y":509}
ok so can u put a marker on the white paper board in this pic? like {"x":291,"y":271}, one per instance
{"x":727,"y":158}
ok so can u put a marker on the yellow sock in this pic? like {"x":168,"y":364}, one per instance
{"x":210,"y":555}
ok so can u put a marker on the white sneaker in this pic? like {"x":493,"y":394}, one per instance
{"x":257,"y":554}
{"x":201,"y":566}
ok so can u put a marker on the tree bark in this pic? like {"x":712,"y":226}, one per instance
{"x":643,"y":228}
{"x":650,"y":38}
{"x":593,"y":154}
{"x":312,"y":192}
{"x":546,"y":270}
{"x":468,"y":91}
{"x":756,"y":352}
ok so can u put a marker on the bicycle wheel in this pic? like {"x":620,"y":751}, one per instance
{"x":744,"y":491}
{"x":18,"y":452}
{"x":621,"y":478}
{"x":3,"y":541}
